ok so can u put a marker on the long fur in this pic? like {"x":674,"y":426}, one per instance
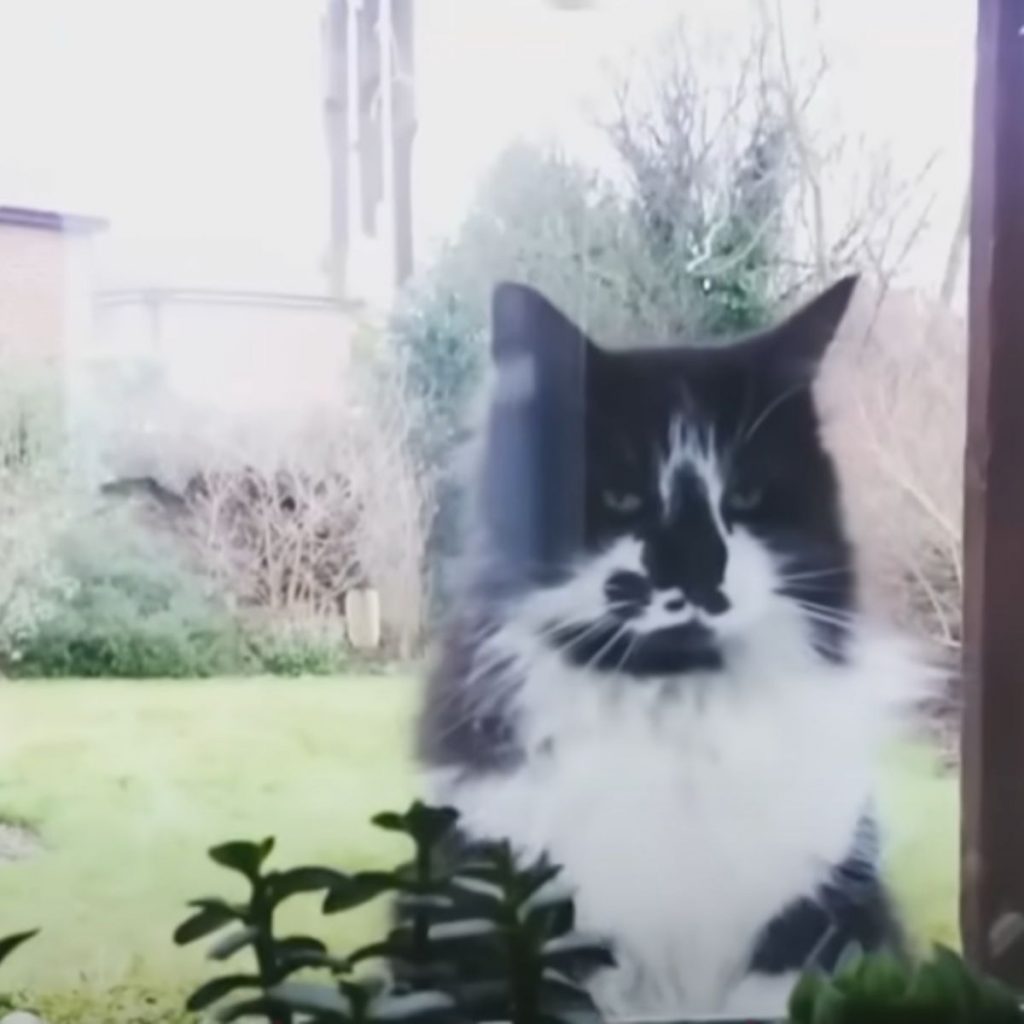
{"x":678,"y":702}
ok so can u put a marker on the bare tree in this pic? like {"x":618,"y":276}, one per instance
{"x":748,"y":177}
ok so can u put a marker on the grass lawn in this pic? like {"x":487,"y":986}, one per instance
{"x":128,"y":783}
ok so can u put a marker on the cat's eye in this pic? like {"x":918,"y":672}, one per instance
{"x":743,"y":499}
{"x":622,"y":503}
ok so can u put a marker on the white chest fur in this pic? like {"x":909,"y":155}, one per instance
{"x":686,"y":815}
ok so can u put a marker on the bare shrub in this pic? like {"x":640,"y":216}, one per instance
{"x":895,"y":395}
{"x":756,"y":188}
{"x":395,"y":499}
{"x":289,"y":515}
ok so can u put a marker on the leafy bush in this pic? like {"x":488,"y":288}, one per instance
{"x":305,"y":647}
{"x":34,"y":506}
{"x":136,"y":611}
{"x":876,"y":988}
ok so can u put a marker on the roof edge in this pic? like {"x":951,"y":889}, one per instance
{"x":50,"y":220}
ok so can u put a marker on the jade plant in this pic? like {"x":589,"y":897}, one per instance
{"x":9,"y":944}
{"x":481,"y":934}
{"x":251,"y":925}
{"x":517,"y":956}
{"x":878,"y":989}
{"x":421,"y":892}
{"x":475,"y":937}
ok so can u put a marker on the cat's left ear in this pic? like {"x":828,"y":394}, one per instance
{"x":533,"y":481}
{"x":523,"y":322}
{"x":798,"y":345}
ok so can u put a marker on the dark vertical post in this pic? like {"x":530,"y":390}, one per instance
{"x":338,"y":139}
{"x":993,"y":732}
{"x":403,"y":121}
{"x":371,"y":141}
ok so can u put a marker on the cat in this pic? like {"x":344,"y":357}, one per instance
{"x":655,"y":673}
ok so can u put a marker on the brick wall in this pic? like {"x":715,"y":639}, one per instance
{"x":32,"y":291}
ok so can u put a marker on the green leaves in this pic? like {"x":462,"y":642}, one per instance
{"x":213,"y":991}
{"x":362,"y":1002}
{"x":426,"y":826}
{"x":252,"y":929}
{"x":324,"y":1001}
{"x":876,"y":987}
{"x":9,"y":944}
{"x":211,"y":916}
{"x":492,"y":939}
{"x":231,"y":944}
{"x":513,"y":934}
{"x":244,"y":857}
{"x":289,"y":883}
{"x":354,"y":890}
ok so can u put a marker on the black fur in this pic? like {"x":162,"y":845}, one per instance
{"x":852,"y":909}
{"x":567,"y":468}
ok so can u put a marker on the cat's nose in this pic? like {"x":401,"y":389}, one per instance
{"x":688,"y":552}
{"x":713,"y":601}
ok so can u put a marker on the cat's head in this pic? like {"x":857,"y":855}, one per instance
{"x":653,"y":506}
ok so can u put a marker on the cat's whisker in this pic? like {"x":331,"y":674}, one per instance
{"x":617,"y":635}
{"x":838,"y":613}
{"x":816,"y":574}
{"x":592,"y":626}
{"x":610,"y":616}
{"x":767,"y":412}
{"x":628,"y":653}
{"x":829,"y":620}
{"x":825,"y":613}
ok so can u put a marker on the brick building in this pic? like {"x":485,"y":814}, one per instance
{"x":46,"y":284}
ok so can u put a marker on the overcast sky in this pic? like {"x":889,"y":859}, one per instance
{"x":195,"y":125}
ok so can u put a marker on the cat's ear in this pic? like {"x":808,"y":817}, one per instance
{"x":534,"y":468}
{"x":524,"y":322}
{"x":797,"y":346}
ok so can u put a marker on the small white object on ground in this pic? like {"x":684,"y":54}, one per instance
{"x":17,"y":842}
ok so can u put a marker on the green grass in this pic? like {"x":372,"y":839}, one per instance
{"x":129,"y":783}
{"x":921,"y":810}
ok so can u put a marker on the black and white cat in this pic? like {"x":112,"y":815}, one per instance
{"x":656,"y":673}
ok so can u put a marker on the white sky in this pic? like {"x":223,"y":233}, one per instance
{"x":195,"y":125}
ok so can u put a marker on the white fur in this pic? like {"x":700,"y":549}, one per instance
{"x":685,"y":824}
{"x":691,"y":445}
{"x":688,"y":811}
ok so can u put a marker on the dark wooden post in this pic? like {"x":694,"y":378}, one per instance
{"x":336,"y":31}
{"x":403,"y":119}
{"x":371,"y":139}
{"x":993,"y":733}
